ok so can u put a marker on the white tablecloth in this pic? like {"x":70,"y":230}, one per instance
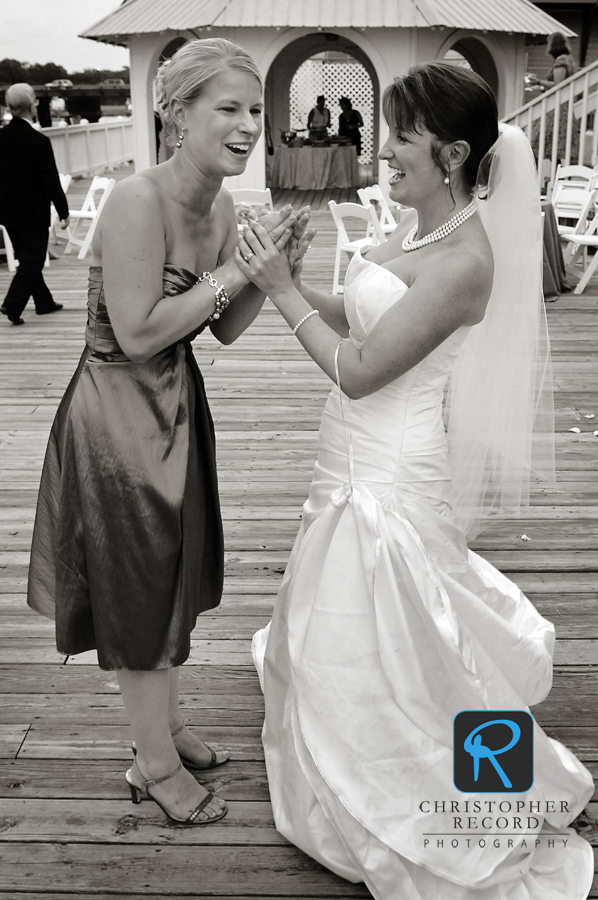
{"x":315,"y":168}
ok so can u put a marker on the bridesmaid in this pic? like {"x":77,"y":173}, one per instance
{"x":127,"y":548}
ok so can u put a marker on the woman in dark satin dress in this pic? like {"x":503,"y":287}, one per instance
{"x":127,"y":547}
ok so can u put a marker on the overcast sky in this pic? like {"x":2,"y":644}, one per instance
{"x":40,"y":31}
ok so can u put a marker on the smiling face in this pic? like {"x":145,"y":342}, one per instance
{"x":221,"y":127}
{"x":414,"y":174}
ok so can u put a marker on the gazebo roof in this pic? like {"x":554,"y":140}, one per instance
{"x":150,"y":16}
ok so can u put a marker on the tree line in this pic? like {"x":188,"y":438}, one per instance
{"x":12,"y":72}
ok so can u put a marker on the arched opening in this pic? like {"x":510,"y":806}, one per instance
{"x":472,"y":54}
{"x":325,"y":63}
{"x":335,"y":75}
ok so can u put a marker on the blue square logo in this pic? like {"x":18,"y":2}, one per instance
{"x":493,"y":751}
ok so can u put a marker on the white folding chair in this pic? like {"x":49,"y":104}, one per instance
{"x":574,"y":176}
{"x":341,"y":211}
{"x":251,"y":197}
{"x":65,"y":181}
{"x":8,"y":250}
{"x":569,"y":203}
{"x":93,"y":204}
{"x":373,"y":194}
{"x":584,"y":236}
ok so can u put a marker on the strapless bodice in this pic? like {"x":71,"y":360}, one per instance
{"x":397,"y":435}
{"x":99,"y":333}
{"x":370,"y":291}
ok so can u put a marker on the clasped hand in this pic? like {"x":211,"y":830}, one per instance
{"x":274,"y":264}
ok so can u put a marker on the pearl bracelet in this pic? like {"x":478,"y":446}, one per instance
{"x":222,"y":298}
{"x":313,"y":312}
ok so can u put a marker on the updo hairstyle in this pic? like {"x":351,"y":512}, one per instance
{"x":186,"y":74}
{"x":452,"y":103}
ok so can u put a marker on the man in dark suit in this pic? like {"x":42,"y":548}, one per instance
{"x":29,"y":182}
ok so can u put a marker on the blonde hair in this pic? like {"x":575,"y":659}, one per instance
{"x":187,"y":73}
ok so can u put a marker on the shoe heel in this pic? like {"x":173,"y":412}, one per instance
{"x":136,"y":794}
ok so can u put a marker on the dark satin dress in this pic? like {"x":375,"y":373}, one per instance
{"x":127,"y":546}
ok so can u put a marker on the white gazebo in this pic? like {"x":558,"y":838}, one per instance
{"x":386,"y":36}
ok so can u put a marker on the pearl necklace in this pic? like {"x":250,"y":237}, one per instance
{"x":440,"y":233}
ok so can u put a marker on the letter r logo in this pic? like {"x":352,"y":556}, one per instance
{"x":493,"y":751}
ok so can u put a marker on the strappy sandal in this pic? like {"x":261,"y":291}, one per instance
{"x":141,"y":792}
{"x":190,"y":764}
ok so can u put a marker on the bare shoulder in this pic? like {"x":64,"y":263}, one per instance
{"x":132,"y":221}
{"x":131,"y":194}
{"x":224,"y":203}
{"x":465,"y":269}
{"x":471,"y":259}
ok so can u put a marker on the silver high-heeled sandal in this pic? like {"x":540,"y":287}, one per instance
{"x":141,"y":792}
{"x":190,"y":764}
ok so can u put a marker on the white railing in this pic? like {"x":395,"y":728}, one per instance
{"x":86,"y":149}
{"x":573,"y":102}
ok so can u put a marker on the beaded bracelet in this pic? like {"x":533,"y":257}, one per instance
{"x":313,"y":312}
{"x":222,"y":298}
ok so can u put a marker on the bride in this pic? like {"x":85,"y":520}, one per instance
{"x":386,"y":626}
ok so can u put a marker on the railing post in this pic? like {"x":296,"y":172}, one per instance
{"x":583,"y":126}
{"x":556,"y":127}
{"x":541,"y":142}
{"x":595,"y":130}
{"x":67,"y":155}
{"x":569,"y":127}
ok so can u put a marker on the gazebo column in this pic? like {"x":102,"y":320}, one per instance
{"x":142,"y":49}
{"x":254,"y":175}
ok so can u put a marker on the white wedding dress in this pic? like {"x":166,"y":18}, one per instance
{"x":386,"y":627}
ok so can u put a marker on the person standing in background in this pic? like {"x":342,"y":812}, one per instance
{"x":349,"y":123}
{"x":563,"y":67}
{"x":318,"y":120}
{"x":29,"y":182}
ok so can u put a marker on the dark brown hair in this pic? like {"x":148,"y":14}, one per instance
{"x":557,"y":44}
{"x":452,"y":103}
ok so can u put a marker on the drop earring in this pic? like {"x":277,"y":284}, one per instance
{"x":447,"y":180}
{"x":179,"y":143}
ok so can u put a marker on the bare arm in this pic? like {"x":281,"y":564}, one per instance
{"x":414,"y":326}
{"x":330,"y":306}
{"x":559,"y":73}
{"x":131,"y":235}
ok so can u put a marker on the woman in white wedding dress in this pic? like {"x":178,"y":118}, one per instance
{"x":386,"y":626}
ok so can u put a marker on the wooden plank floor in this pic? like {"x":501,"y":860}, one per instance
{"x":67,"y":827}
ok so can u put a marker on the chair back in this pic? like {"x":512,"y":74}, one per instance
{"x":585,"y":224}
{"x":573,"y":177}
{"x":570,"y":202}
{"x":252,"y":196}
{"x":93,"y":204}
{"x":341,"y":211}
{"x":374,"y":194}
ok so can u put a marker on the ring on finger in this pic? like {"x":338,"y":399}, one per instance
{"x":246,"y":256}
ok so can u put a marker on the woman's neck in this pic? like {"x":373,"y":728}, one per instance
{"x":433,"y":213}
{"x":190,"y":186}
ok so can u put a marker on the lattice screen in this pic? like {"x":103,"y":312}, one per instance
{"x":334,"y":79}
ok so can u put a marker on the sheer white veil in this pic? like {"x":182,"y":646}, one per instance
{"x":499,"y":411}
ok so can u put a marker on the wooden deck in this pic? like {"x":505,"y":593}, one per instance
{"x":67,"y":827}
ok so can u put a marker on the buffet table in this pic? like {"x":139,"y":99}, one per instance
{"x":315,"y":168}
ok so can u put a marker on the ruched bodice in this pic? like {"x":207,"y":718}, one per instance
{"x":99,"y":333}
{"x":405,"y":415}
{"x":127,"y":546}
{"x":386,"y":627}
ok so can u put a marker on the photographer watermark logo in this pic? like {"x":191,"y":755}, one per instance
{"x":493,"y":751}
